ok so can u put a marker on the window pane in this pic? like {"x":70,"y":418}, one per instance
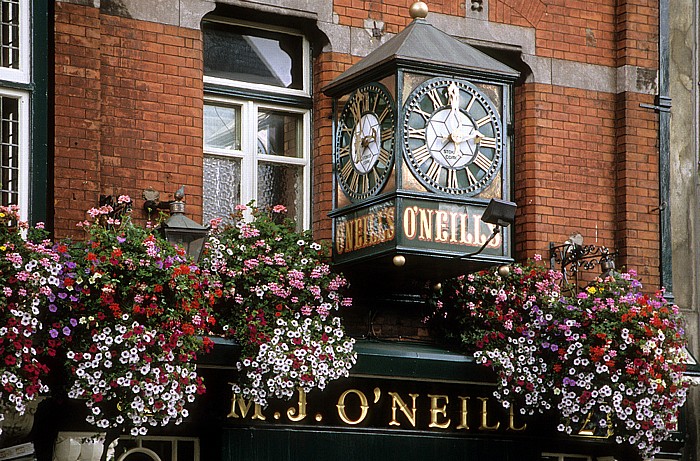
{"x":9,"y":34}
{"x":222,"y":186}
{"x":253,"y":55}
{"x":281,"y":185}
{"x":279,"y":133}
{"x":222,"y":127}
{"x":185,"y":450}
{"x":9,"y":150}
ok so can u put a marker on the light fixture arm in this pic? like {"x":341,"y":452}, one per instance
{"x":494,"y":233}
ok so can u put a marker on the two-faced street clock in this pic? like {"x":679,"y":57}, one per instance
{"x":421,"y":144}
{"x":364,"y":142}
{"x":452,"y":136}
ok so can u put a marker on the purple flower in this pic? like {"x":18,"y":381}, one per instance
{"x":73,"y":322}
{"x":63,"y":295}
{"x":121,"y":239}
{"x":66,"y":331}
{"x":53,"y":308}
{"x":53,"y":333}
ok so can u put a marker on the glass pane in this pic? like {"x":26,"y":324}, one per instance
{"x":222,"y":127}
{"x":222,"y":186}
{"x":253,"y":55}
{"x":185,"y":450}
{"x":282,"y":185}
{"x":163,"y":448}
{"x":279,"y":133}
{"x":9,"y":150}
{"x":9,"y":34}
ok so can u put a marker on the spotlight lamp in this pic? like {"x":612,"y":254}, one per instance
{"x":500,"y":213}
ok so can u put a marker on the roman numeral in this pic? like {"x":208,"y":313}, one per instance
{"x":365,"y":184}
{"x":422,"y":113}
{"x":344,"y":151}
{"x":421,"y":154}
{"x":482,"y":161}
{"x":434,"y":171}
{"x":489,"y":143}
{"x":384,"y":156}
{"x":416,"y":132}
{"x":353,"y":182}
{"x":483,"y":121}
{"x":435,"y":98}
{"x":452,"y":179}
{"x":356,"y":108}
{"x":470,"y":176}
{"x":385,"y":112}
{"x":386,"y":135}
{"x":346,"y":171}
{"x":471,"y":102}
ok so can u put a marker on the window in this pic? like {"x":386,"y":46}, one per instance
{"x":157,"y":449}
{"x":256,"y":119}
{"x":14,"y":104}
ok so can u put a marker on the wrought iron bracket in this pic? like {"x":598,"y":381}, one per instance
{"x":572,"y":258}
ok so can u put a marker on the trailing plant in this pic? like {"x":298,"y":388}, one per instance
{"x":132,"y":310}
{"x":280,"y":301}
{"x":608,"y":357}
{"x":29,"y":271}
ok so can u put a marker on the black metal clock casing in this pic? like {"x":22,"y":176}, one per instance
{"x":365,"y":141}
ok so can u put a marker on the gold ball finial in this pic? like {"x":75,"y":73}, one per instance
{"x":418,"y":10}
{"x":399,"y":260}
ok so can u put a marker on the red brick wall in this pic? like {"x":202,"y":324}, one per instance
{"x":77,"y":101}
{"x":326,"y":67}
{"x":129,"y":94}
{"x":564,"y":167}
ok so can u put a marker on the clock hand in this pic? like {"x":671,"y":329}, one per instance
{"x":358,"y":147}
{"x":369,"y":138}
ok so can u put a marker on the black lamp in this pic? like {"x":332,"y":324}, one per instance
{"x":498,"y":212}
{"x":180,"y":230}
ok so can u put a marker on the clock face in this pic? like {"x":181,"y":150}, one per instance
{"x":452,"y":137}
{"x":365,"y":142}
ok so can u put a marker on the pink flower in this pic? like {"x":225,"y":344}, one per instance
{"x":240,"y":208}
{"x":124,"y":199}
{"x":279,"y":209}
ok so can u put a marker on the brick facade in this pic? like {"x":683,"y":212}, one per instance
{"x":129,"y":97}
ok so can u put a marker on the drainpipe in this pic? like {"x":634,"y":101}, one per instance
{"x":663,"y":106}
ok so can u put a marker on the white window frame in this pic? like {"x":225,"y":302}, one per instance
{"x":174,"y":440}
{"x":23,"y":74}
{"x":23,"y":143}
{"x":305,"y":62}
{"x":248,"y":154}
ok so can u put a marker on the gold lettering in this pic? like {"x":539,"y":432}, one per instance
{"x":390,"y":224}
{"x":463,"y":424}
{"x":244,"y":406}
{"x":436,"y":411}
{"x":485,"y":416}
{"x":364,"y":405}
{"x":295,"y":414}
{"x":511,"y":421}
{"x":349,"y":236}
{"x":426,"y":224}
{"x":409,"y":222}
{"x":442,"y":224}
{"x":397,"y":402}
{"x":464,"y":237}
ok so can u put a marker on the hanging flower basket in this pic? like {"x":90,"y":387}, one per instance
{"x":608,"y":356}
{"x":131,"y":313}
{"x":280,"y":301}
{"x":29,"y":272}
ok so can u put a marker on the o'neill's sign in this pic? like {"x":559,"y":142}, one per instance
{"x":414,"y":226}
